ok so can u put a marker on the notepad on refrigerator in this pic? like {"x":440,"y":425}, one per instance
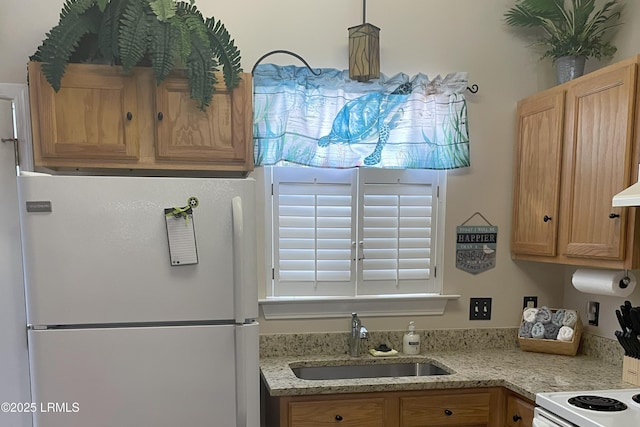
{"x":182,"y":239}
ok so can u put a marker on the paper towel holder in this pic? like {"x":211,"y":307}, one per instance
{"x":619,"y":282}
{"x":625,"y":281}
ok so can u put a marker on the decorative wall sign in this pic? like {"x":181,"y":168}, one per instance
{"x":476,"y":246}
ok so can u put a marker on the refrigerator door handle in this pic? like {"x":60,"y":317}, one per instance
{"x":247,"y":376}
{"x":238,"y":265}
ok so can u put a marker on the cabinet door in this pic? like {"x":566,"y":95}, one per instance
{"x":349,"y":412}
{"x":537,"y":174}
{"x":92,"y":117}
{"x":598,"y":150}
{"x":445,"y":409}
{"x":221,"y":135}
{"x":519,"y":412}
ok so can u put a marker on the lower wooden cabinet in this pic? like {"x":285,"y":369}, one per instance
{"x":352,"y":410}
{"x":479,"y":407}
{"x":519,"y":411}
{"x":353,"y":413}
{"x":459,"y":408}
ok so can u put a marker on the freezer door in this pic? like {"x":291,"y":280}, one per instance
{"x":101,"y":255}
{"x":160,"y":377}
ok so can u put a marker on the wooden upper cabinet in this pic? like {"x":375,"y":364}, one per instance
{"x":591,"y":141}
{"x":103,"y":119}
{"x":94,"y":115}
{"x":598,"y":147}
{"x":537,"y":174}
{"x":218,"y":135}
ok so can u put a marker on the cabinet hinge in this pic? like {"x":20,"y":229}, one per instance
{"x":273,"y":274}
{"x":272,"y":189}
{"x":435,"y":271}
{"x":438,"y":192}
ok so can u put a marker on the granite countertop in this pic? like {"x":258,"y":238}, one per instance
{"x":523,"y":372}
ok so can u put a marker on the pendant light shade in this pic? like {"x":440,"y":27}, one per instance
{"x":364,"y":50}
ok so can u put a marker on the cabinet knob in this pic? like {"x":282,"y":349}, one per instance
{"x":338,"y":417}
{"x":546,"y":218}
{"x":129,"y":115}
{"x":160,"y":116}
{"x":614,"y":215}
{"x":448,"y":412}
{"x":516,"y":418}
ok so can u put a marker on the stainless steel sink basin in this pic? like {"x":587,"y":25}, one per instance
{"x":368,"y":371}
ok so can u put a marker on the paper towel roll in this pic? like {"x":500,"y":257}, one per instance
{"x":604,"y":282}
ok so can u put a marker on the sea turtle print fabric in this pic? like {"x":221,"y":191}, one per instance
{"x":331,"y":121}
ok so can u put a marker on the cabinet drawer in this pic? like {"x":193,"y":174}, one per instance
{"x":460,"y":409}
{"x":350,"y":413}
{"x":519,"y":412}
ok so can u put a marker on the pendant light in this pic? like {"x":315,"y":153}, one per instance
{"x":364,"y":50}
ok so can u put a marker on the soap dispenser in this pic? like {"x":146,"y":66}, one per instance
{"x":411,"y":340}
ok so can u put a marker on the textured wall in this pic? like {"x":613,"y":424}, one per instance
{"x":434,"y":37}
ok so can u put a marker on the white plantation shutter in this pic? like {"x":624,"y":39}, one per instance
{"x":314,"y":217}
{"x":353,"y":232}
{"x":396,"y":234}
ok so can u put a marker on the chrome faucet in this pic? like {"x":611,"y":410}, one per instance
{"x":358,"y":333}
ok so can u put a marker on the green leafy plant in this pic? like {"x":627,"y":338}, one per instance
{"x":576,"y":30}
{"x":163,"y":34}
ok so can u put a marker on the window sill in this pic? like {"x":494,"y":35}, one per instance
{"x":331,"y":307}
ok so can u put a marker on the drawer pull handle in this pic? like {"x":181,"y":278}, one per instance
{"x":338,"y":417}
{"x":448,"y":412}
{"x":516,"y":418}
{"x":546,"y":218}
{"x":129,"y":115}
{"x":614,"y":215}
{"x":160,"y":116}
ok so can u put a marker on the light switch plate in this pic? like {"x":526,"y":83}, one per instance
{"x":480,"y":309}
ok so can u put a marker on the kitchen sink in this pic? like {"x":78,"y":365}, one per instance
{"x":417,"y":369}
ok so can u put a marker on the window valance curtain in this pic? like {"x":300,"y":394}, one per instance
{"x":331,"y":121}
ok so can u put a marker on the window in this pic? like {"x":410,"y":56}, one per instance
{"x":341,"y":234}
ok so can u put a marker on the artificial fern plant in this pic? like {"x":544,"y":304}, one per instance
{"x":164,"y":34}
{"x":575,"y":30}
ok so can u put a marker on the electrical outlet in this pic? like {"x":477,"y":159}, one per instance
{"x":530,"y":302}
{"x":480,"y":309}
{"x":593,"y":312}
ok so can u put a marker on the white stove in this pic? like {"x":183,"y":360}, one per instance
{"x":595,"y":408}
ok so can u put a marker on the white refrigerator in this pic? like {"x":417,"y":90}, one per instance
{"x":141,"y":301}
{"x":14,"y":362}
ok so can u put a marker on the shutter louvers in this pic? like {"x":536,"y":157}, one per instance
{"x":354,"y":232}
{"x":313,"y":235}
{"x":396,"y":238}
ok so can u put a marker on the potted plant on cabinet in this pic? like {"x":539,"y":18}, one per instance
{"x":569,"y":33}
{"x":163,"y":34}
